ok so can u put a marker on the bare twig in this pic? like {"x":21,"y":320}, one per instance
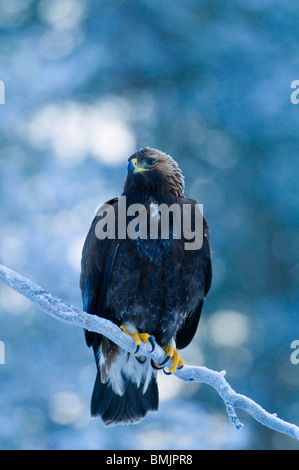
{"x":61,"y":310}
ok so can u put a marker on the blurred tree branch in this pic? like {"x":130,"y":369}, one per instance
{"x":61,"y":310}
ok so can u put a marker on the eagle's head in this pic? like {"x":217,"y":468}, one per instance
{"x":154,"y":173}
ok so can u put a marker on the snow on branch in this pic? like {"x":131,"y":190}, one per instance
{"x":67,"y":313}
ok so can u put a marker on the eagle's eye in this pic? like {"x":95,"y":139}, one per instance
{"x":148,"y":163}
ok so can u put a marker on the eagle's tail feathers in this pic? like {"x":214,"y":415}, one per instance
{"x":128,"y":408}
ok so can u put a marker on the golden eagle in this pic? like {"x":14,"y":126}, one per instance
{"x":150,"y":286}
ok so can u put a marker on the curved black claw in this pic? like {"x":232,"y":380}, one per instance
{"x":165,"y":361}
{"x":151,"y":340}
{"x":154,"y":365}
{"x":170,"y":373}
{"x":141,"y":361}
{"x":137,"y":349}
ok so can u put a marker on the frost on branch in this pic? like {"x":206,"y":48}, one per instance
{"x":67,"y":313}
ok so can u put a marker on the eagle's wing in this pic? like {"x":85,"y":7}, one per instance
{"x":201,"y":258}
{"x":98,"y":257}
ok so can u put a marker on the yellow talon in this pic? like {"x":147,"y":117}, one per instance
{"x":177,"y":361}
{"x":141,"y":337}
{"x":171,"y":352}
{"x":138,"y":337}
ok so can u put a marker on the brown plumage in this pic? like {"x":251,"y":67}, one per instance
{"x":152,"y":286}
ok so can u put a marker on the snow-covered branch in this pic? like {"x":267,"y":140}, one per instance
{"x":65,"y":312}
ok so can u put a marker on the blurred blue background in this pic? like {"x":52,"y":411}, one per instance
{"x":87,"y":83}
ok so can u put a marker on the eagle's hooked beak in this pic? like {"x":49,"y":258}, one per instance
{"x":133,"y":167}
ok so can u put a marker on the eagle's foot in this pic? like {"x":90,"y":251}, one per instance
{"x":177,"y":361}
{"x":138,"y":337}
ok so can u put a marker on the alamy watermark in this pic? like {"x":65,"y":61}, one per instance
{"x":2,"y":92}
{"x":294,"y":95}
{"x":2,"y":353}
{"x":295,"y":353}
{"x":161,"y":221}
